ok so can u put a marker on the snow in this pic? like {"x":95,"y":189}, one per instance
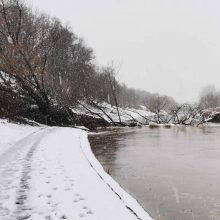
{"x":51,"y":173}
{"x":211,"y":124}
{"x":210,"y":113}
{"x":126,"y":114}
{"x":11,"y":133}
{"x":10,"y":41}
{"x":155,"y":125}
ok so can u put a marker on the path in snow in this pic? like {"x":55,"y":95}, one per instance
{"x":46,"y":176}
{"x":56,"y":192}
{"x":15,"y":165}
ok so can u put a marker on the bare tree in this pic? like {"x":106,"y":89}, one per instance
{"x":186,"y":114}
{"x":24,"y":54}
{"x":41,"y":61}
{"x":114,"y":87}
{"x":160,"y":105}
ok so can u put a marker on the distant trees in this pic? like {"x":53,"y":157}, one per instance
{"x":161,"y":106}
{"x":209,"y":97}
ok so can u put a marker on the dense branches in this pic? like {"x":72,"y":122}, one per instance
{"x":40,"y":59}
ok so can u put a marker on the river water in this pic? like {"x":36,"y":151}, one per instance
{"x":173,"y":173}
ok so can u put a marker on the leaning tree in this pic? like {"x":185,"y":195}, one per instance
{"x":26,"y":42}
{"x":41,"y":61}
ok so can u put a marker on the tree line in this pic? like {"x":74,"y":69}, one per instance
{"x":46,"y":70}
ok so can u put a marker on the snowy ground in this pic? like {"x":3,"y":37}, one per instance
{"x":50,"y":173}
{"x":11,"y":133}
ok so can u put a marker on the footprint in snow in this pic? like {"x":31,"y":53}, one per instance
{"x":89,"y":212}
{"x":63,"y":217}
{"x":78,"y":199}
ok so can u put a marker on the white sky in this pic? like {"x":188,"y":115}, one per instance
{"x":166,"y":46}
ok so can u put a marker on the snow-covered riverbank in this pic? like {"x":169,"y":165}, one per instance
{"x":51,"y":173}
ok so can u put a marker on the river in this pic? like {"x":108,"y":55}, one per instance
{"x":173,"y":173}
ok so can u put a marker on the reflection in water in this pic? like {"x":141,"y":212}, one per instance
{"x":174,"y":173}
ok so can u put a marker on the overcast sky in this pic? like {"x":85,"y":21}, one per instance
{"x":166,"y":46}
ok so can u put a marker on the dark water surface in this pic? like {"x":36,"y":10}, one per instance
{"x":173,"y":173}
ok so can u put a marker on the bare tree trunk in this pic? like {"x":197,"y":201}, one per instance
{"x":98,"y":107}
